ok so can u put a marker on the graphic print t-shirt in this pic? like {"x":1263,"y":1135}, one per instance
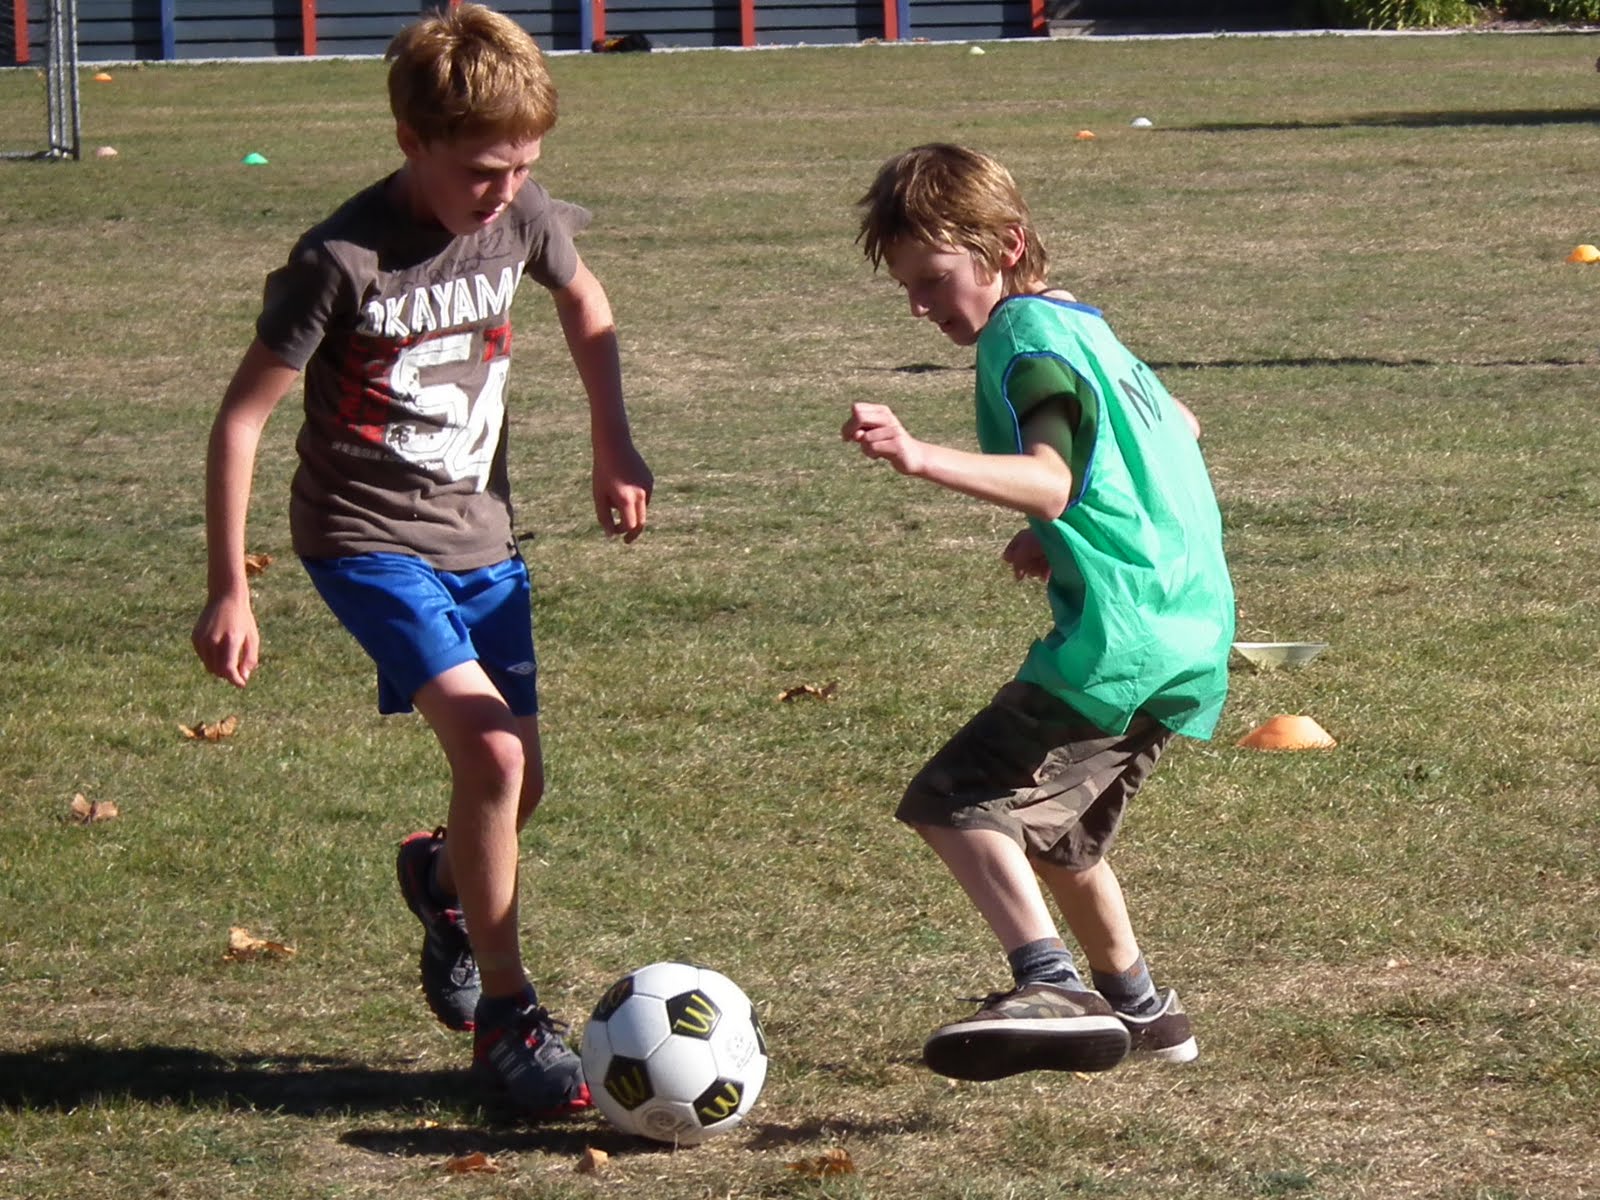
{"x":404,"y":334}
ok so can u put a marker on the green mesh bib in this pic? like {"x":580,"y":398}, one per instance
{"x":1139,"y":588}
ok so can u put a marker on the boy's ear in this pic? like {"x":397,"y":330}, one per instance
{"x":408,"y":139}
{"x":1016,"y":244}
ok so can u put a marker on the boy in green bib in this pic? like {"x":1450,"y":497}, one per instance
{"x":1080,"y":437}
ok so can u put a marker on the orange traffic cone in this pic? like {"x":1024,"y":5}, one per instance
{"x":1288,"y":733}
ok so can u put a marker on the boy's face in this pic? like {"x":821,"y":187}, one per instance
{"x":947,"y":285}
{"x":464,"y":185}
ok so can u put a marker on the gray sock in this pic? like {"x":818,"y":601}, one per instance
{"x":1044,"y":961}
{"x":1132,"y":991}
{"x":493,"y":1011}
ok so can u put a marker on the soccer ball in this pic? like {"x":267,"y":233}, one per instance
{"x":674,"y":1052}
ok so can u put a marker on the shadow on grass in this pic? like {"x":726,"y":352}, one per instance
{"x":1409,"y":120}
{"x":1327,"y":360}
{"x":567,"y":1139}
{"x":1350,"y":360}
{"x":62,"y":1076}
{"x":572,"y":1140}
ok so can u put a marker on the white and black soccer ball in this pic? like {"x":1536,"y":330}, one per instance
{"x":674,"y":1052}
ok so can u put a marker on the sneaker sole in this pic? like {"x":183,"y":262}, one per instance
{"x":1181,"y":1053}
{"x":994,"y":1049}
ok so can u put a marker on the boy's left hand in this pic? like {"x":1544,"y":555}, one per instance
{"x":622,"y":485}
{"x":878,"y":432}
{"x":1026,"y":556}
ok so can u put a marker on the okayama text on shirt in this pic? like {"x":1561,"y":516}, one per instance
{"x":419,"y":388}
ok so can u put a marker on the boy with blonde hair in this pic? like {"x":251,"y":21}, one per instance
{"x":1081,"y":438}
{"x":397,"y":309}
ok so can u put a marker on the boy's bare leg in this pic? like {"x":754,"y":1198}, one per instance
{"x":496,"y":782}
{"x":532,"y":769}
{"x":1040,"y":1025}
{"x":486,"y":752}
{"x":1092,"y":905}
{"x":997,"y":877}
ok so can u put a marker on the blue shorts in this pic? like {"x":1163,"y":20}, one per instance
{"x":417,"y":622}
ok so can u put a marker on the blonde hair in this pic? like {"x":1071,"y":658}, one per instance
{"x":469,"y":72}
{"x":945,"y":195}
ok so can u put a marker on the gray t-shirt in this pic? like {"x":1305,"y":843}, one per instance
{"x":404,"y":334}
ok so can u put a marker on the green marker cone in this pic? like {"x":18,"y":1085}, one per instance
{"x":254,"y":160}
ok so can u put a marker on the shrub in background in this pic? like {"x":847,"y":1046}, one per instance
{"x":1552,"y":10}
{"x":1403,"y":14}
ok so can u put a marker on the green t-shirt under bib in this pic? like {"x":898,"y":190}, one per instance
{"x":1139,"y":587}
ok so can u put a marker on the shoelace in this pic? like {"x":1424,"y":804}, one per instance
{"x":536,"y":1019}
{"x":985,"y":1001}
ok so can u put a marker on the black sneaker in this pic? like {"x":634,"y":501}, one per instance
{"x":527,"y":1056}
{"x":1165,"y":1036}
{"x":1036,"y":1027}
{"x":449,"y":972}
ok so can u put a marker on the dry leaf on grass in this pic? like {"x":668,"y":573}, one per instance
{"x":825,"y":692}
{"x":476,"y":1163}
{"x":592,"y":1160}
{"x":254,"y":564}
{"x":87,"y":812}
{"x":243,"y":947}
{"x":214,"y":732}
{"x":836,"y":1161}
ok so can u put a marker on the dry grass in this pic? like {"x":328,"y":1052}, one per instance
{"x":1345,"y":255}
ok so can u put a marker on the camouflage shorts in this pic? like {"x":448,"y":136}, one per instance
{"x":1031,"y":767}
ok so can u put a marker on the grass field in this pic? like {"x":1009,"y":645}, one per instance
{"x":1345,"y":255}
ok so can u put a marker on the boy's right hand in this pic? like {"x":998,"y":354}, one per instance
{"x":1026,"y":556}
{"x":876,"y":429}
{"x":226,"y":638}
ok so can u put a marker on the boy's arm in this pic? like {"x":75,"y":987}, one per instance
{"x":621,"y":480}
{"x":1189,"y":419}
{"x":225,"y":637}
{"x":1037,"y":482}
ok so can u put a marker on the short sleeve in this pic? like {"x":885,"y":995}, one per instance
{"x":1053,"y":405}
{"x":298,"y":303}
{"x":552,"y":254}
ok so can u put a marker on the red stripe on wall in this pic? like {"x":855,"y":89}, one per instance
{"x":1041,"y":23}
{"x":308,"y":27}
{"x":597,"y":11}
{"x":19,"y":22}
{"x":891,"y":21}
{"x":747,"y":22}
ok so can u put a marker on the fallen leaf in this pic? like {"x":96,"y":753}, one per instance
{"x":825,"y":692}
{"x":476,"y":1163}
{"x":87,"y":812}
{"x":244,"y":947}
{"x":836,"y":1161}
{"x":593,"y":1160}
{"x":254,"y":564}
{"x":202,"y":732}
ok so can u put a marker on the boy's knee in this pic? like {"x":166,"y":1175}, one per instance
{"x":493,"y":759}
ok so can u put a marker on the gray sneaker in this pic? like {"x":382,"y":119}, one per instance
{"x":1165,"y":1036}
{"x":450,"y":981}
{"x":1036,"y":1027}
{"x":528,"y":1057}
